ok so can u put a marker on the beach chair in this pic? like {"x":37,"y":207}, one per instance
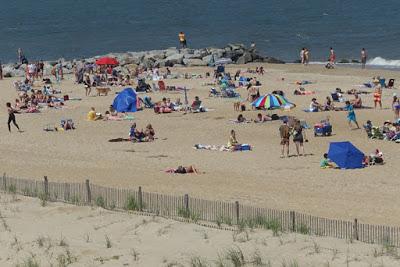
{"x":155,"y":87}
{"x":214,"y":92}
{"x":335,"y":97}
{"x":161,"y":86}
{"x":390,"y":83}
{"x":382,"y":82}
{"x":147,"y":102}
{"x":376,"y":133}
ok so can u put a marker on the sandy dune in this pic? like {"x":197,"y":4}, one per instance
{"x":65,"y":235}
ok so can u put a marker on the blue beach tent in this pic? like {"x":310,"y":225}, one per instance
{"x":345,"y":155}
{"x":126,"y":101}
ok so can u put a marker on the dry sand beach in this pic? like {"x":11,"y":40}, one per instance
{"x":258,"y":177}
{"x":65,"y":235}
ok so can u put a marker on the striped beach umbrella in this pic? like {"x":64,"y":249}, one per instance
{"x":271,"y":101}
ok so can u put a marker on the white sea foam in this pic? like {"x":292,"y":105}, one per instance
{"x":379,"y":61}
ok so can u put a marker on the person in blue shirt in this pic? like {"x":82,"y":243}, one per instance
{"x":351,"y":115}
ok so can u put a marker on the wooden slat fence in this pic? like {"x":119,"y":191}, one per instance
{"x":195,"y":209}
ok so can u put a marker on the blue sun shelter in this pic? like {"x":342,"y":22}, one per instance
{"x":126,"y":101}
{"x":345,"y":155}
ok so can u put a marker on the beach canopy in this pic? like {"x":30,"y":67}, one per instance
{"x":107,"y":61}
{"x":271,"y":101}
{"x":345,"y":155}
{"x":126,"y":101}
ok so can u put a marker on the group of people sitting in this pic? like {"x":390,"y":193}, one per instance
{"x":376,"y":157}
{"x":388,"y":131}
{"x":315,"y":106}
{"x":167,"y":106}
{"x":147,"y":135}
{"x":30,"y":103}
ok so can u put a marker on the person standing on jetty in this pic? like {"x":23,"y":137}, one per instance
{"x":11,"y":117}
{"x":182,"y":39}
{"x":363,"y":58}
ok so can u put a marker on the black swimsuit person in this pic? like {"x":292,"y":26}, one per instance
{"x":11,"y":117}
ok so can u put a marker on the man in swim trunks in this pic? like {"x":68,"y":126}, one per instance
{"x":284,"y":132}
{"x":363,"y":58}
{"x":182,"y":39}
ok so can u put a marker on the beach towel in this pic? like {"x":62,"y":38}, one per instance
{"x":243,"y":147}
{"x":298,"y":92}
{"x":119,"y":140}
{"x":240,"y":122}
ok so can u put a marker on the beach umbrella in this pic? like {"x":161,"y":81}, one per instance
{"x":271,"y":101}
{"x":107,"y":61}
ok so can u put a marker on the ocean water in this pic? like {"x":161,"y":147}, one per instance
{"x":50,"y":29}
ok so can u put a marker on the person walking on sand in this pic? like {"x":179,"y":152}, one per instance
{"x":363,"y":58}
{"x":182,"y":39}
{"x":396,"y":107}
{"x":20,"y":54}
{"x":284,"y":132}
{"x":332,"y":56}
{"x":302,"y":55}
{"x":306,"y":56}
{"x":351,"y":115}
{"x":1,"y":71}
{"x":11,"y":117}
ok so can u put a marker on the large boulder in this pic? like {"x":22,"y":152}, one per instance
{"x":171,"y":51}
{"x":147,"y":63}
{"x":174,"y":59}
{"x":10,"y":71}
{"x":208,"y":59}
{"x":187,"y":56}
{"x":200,"y":53}
{"x":273,"y":60}
{"x":155,"y":54}
{"x":160,"y":63}
{"x":236,"y":46}
{"x":191,"y":62}
{"x":245,"y":58}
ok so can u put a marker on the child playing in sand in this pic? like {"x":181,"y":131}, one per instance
{"x":326,"y":163}
{"x":351,"y":115}
{"x":233,"y":143}
{"x":93,"y":116}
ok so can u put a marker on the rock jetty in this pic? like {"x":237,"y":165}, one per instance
{"x":170,"y":57}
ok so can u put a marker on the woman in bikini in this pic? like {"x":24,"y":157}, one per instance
{"x":11,"y":117}
{"x":378,"y":95}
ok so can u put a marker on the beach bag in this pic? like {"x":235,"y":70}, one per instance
{"x":274,"y":117}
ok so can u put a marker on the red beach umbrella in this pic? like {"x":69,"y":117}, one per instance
{"x":107,"y":61}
